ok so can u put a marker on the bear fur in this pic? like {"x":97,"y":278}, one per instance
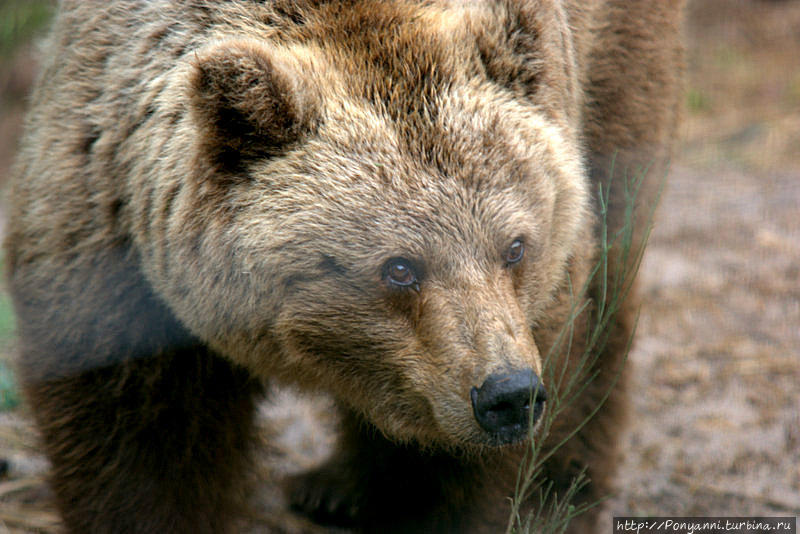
{"x":208,"y":195}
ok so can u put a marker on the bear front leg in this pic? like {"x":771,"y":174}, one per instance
{"x":156,"y":444}
{"x":341,"y":491}
{"x":375,"y":485}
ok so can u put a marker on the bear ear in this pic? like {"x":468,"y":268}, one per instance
{"x":249,"y":101}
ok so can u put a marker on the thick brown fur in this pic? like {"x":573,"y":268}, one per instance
{"x":207,"y":196}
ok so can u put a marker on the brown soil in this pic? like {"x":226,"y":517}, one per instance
{"x":716,"y":417}
{"x":716,"y":421}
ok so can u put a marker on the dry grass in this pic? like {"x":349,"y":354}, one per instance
{"x":716,"y":420}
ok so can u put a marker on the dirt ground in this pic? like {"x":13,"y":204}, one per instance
{"x":716,"y":417}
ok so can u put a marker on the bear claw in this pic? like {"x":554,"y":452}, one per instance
{"x":323,"y":496}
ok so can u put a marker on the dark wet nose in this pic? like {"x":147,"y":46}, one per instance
{"x":502,"y":404}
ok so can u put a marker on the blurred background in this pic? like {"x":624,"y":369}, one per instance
{"x":716,"y":417}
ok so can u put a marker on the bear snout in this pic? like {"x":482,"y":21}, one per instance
{"x":502,"y":404}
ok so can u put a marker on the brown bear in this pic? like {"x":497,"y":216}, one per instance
{"x":396,"y":202}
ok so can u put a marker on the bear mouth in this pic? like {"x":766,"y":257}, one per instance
{"x":519,"y":431}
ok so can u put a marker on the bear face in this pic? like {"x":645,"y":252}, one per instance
{"x":406,"y":353}
{"x":293,"y":233}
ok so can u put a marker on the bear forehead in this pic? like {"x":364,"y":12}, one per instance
{"x":482,"y":148}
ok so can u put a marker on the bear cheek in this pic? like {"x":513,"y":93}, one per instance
{"x":367,"y":356}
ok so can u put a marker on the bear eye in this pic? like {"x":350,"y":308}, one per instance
{"x":398,"y":272}
{"x":515,"y":252}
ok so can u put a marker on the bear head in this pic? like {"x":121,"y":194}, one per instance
{"x":380,"y":204}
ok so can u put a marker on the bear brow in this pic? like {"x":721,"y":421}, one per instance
{"x":329,"y":265}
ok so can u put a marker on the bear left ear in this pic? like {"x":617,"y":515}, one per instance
{"x":249,"y":101}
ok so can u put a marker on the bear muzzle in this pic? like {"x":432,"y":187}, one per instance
{"x":502,"y":405}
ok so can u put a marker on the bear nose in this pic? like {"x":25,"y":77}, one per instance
{"x":502,"y":404}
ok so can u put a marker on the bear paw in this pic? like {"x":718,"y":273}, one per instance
{"x":328,"y":495}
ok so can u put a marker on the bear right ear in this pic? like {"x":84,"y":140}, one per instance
{"x":248,"y":101}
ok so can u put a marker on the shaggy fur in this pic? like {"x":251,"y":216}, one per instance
{"x":208,"y":194}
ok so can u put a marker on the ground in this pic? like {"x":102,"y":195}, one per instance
{"x":716,"y":417}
